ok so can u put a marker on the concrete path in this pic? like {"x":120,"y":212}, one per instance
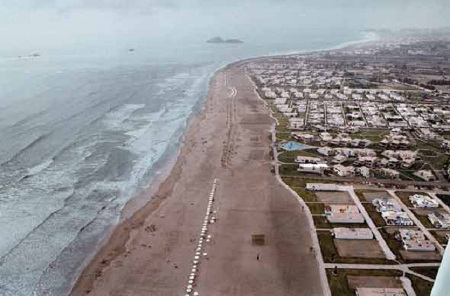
{"x":401,"y":267}
{"x":389,"y":254}
{"x":407,"y":285}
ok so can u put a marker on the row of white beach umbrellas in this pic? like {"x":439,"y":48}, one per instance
{"x":204,"y":237}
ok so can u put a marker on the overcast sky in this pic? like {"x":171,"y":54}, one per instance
{"x":41,"y":24}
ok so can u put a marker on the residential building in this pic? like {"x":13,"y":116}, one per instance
{"x":414,"y":240}
{"x":439,"y":220}
{"x":344,"y":171}
{"x":397,"y":218}
{"x":318,"y":168}
{"x":423,"y":201}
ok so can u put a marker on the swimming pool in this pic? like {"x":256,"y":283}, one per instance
{"x":291,"y":146}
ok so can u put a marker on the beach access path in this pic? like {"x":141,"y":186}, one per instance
{"x":152,"y":253}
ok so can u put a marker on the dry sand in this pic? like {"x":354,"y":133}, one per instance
{"x":151,"y":253}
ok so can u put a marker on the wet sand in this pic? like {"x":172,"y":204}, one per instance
{"x":151,"y":252}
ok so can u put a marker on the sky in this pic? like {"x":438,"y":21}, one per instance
{"x":33,"y":25}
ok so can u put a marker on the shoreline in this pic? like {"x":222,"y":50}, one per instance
{"x":146,"y":254}
{"x":137,"y":208}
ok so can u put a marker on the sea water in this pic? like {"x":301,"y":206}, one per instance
{"x":82,"y":133}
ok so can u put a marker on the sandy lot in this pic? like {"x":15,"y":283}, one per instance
{"x":415,"y":255}
{"x":374,"y":282}
{"x":370,"y":196}
{"x":359,"y":248}
{"x":334,"y":197}
{"x":152,"y":252}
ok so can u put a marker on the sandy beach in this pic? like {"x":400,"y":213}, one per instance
{"x":152,"y":252}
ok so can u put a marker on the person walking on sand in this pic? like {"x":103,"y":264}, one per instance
{"x":257,"y":256}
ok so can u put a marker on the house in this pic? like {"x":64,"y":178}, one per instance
{"x":393,"y":174}
{"x":397,"y":218}
{"x":414,"y":240}
{"x":318,"y":168}
{"x":383,"y":205}
{"x":352,"y":233}
{"x":363,"y":172}
{"x":423,"y":201}
{"x":368,"y":161}
{"x":339,"y":159}
{"x":344,"y":171}
{"x":425,"y":175}
{"x":343,"y":214}
{"x":439,"y":220}
{"x":327,"y":151}
{"x":308,"y":159}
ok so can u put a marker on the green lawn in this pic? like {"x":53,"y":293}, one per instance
{"x":316,"y":208}
{"x":424,"y":220}
{"x":374,"y":215}
{"x":360,"y":193}
{"x":445,"y":198}
{"x":289,"y":156}
{"x":421,"y":287}
{"x":404,"y":196}
{"x":430,"y":272}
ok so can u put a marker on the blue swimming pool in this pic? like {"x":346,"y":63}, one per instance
{"x":291,"y":146}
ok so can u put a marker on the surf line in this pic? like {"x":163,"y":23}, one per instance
{"x":204,"y":238}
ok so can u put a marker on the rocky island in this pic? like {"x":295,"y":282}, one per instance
{"x":221,"y":40}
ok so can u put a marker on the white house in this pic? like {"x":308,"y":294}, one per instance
{"x":423,"y":201}
{"x":318,"y":168}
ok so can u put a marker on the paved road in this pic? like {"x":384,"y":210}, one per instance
{"x":372,"y":180}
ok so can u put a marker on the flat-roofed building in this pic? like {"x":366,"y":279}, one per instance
{"x":423,"y":201}
{"x":362,"y":291}
{"x":318,"y":168}
{"x":352,"y":233}
{"x":439,"y":220}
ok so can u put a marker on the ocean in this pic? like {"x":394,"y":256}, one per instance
{"x":82,"y":133}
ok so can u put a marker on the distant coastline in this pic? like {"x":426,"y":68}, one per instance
{"x":220,"y":40}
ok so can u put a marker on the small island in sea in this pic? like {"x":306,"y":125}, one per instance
{"x":220,"y":40}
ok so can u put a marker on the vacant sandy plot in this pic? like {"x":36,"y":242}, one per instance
{"x":334,"y":197}
{"x":374,"y":282}
{"x":358,"y":248}
{"x":417,"y":255}
{"x":370,"y":196}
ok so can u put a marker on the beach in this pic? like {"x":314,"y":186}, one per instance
{"x":152,"y":252}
